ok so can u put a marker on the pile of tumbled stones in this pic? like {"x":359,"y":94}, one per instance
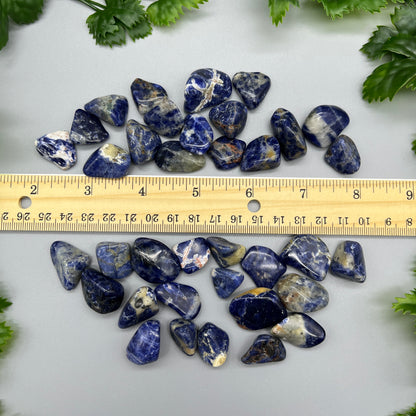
{"x":280,"y":302}
{"x":205,"y":88}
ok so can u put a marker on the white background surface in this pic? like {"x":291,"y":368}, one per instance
{"x":68,"y":360}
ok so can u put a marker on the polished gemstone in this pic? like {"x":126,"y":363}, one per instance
{"x":263,"y":266}
{"x":197,"y":134}
{"x":147,"y":95}
{"x":226,"y":153}
{"x":225,"y":252}
{"x":265,"y":349}
{"x":348,"y":261}
{"x":343,"y":156}
{"x":143,"y":142}
{"x":257,"y":308}
{"x":252,"y":87}
{"x":144,"y":347}
{"x":154,"y":261}
{"x":110,"y":108}
{"x":213,"y":344}
{"x":261,"y":153}
{"x":69,"y":262}
{"x":184,"y":333}
{"x":114,"y":259}
{"x":229,"y":118}
{"x":226,"y":281}
{"x":87,"y":128}
{"x":193,"y":254}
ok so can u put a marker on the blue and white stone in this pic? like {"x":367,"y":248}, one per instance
{"x":348,"y":262}
{"x":143,"y":143}
{"x":142,"y":305}
{"x":147,"y":95}
{"x":193,"y":254}
{"x":226,"y":153}
{"x":153,"y":261}
{"x":226,"y":281}
{"x":69,"y":262}
{"x":181,"y":298}
{"x":300,"y":330}
{"x":286,"y":129}
{"x":225,"y":253}
{"x":114,"y":259}
{"x":324,"y":124}
{"x":110,"y":108}
{"x":109,"y":161}
{"x":257,"y":308}
{"x":252,"y":87}
{"x":213,"y":344}
{"x":262,"y":153}
{"x":197,"y":134}
{"x":205,"y":88}
{"x":144,"y":347}
{"x":263,"y":265}
{"x":57,"y":148}
{"x":308,"y":254}
{"x":265,"y":349}
{"x":343,"y":156}
{"x":87,"y":128}
{"x":102,"y":294}
{"x":184,"y":332}
{"x":229,"y":118}
{"x":301,"y":293}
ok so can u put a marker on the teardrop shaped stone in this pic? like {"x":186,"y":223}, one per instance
{"x":226,"y":153}
{"x":213,"y":344}
{"x":348,"y":262}
{"x":146,"y":95}
{"x":262,"y":153}
{"x":184,"y":333}
{"x":144,"y":347}
{"x":343,"y":156}
{"x":225,"y":252}
{"x":265,"y":349}
{"x":226,"y":281}
{"x":114,"y":259}
{"x":197,"y":134}
{"x":193,"y":254}
{"x":87,"y":128}
{"x":110,"y":108}
{"x":229,"y":118}
{"x":252,"y":87}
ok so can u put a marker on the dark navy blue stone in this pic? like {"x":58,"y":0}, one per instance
{"x":205,"y":88}
{"x":263,"y":266}
{"x":143,"y":142}
{"x":226,"y":153}
{"x":252,"y":87}
{"x":102,"y":294}
{"x":110,"y":108}
{"x":343,"y":156}
{"x":197,"y":134}
{"x":213,"y":344}
{"x":154,"y":261}
{"x":258,"y":308}
{"x":262,"y":153}
{"x":69,"y":262}
{"x":184,"y":332}
{"x":287,"y":130}
{"x":225,"y":253}
{"x":144,"y":347}
{"x":193,"y":254}
{"x":146,"y":94}
{"x":308,"y":254}
{"x":226,"y":281}
{"x":265,"y":349}
{"x":109,"y":161}
{"x":181,"y":298}
{"x":324,"y":124}
{"x":114,"y":259}
{"x":87,"y":128}
{"x":229,"y":118}
{"x":348,"y":261}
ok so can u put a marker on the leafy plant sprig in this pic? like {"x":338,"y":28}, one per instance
{"x":6,"y":332}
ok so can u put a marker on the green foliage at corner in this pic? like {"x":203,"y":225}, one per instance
{"x":6,"y":332}
{"x":410,"y":412}
{"x":165,"y":12}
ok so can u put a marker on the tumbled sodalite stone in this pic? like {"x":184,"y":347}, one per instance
{"x":229,"y":118}
{"x":252,"y":87}
{"x":143,"y":143}
{"x":109,"y":161}
{"x":114,"y":259}
{"x":110,"y":108}
{"x":181,"y":298}
{"x":205,"y":88}
{"x":225,"y":252}
{"x":308,"y":254}
{"x":287,"y":130}
{"x":154,"y":261}
{"x":301,"y":293}
{"x":102,"y":294}
{"x":226,"y":281}
{"x":144,"y":347}
{"x":69,"y":262}
{"x":265,"y":349}
{"x":184,"y":332}
{"x":193,"y":254}
{"x":348,"y":261}
{"x":197,"y":134}
{"x":343,"y":156}
{"x":226,"y":153}
{"x":147,"y":95}
{"x":213,"y":344}
{"x":324,"y":124}
{"x":261,"y":154}
{"x":172,"y":157}
{"x":300,"y":330}
{"x":57,"y":148}
{"x":263,"y":266}
{"x":257,"y":308}
{"x":87,"y":128}
{"x":142,"y":305}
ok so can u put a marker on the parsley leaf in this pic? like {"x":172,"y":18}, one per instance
{"x":374,"y":48}
{"x":6,"y":334}
{"x":406,"y":305}
{"x":404,"y":18}
{"x":278,"y":9}
{"x":410,"y":412}
{"x":402,"y":44}
{"x":4,"y":25}
{"x":4,"y":303}
{"x":414,"y":146}
{"x":25,"y":11}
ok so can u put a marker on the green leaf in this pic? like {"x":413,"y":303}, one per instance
{"x":140,"y":30}
{"x":25,"y":11}
{"x":410,"y":412}
{"x":402,"y":44}
{"x":165,"y":12}
{"x":129,"y":12}
{"x":4,"y":303}
{"x":404,"y":18}
{"x":406,"y":305}
{"x":374,"y":48}
{"x":414,"y":146}
{"x":4,"y":26}
{"x":104,"y":29}
{"x":278,"y":9}
{"x":335,"y":8}
{"x":6,"y":334}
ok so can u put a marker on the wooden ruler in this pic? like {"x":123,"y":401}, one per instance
{"x":212,"y":205}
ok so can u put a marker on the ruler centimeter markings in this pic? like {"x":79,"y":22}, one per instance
{"x":213,"y":205}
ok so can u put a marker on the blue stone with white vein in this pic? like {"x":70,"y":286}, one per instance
{"x":114,"y":259}
{"x":87,"y":128}
{"x":193,"y":254}
{"x":143,"y":142}
{"x":262,"y":153}
{"x":226,"y":281}
{"x":110,"y":108}
{"x":197,"y":134}
{"x":265,"y":349}
{"x":213,"y":344}
{"x":226,"y":153}
{"x":184,"y":332}
{"x":348,"y":262}
{"x":343,"y":156}
{"x":229,"y":118}
{"x":252,"y":87}
{"x":225,"y":253}
{"x":144,"y":346}
{"x":146,"y":95}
